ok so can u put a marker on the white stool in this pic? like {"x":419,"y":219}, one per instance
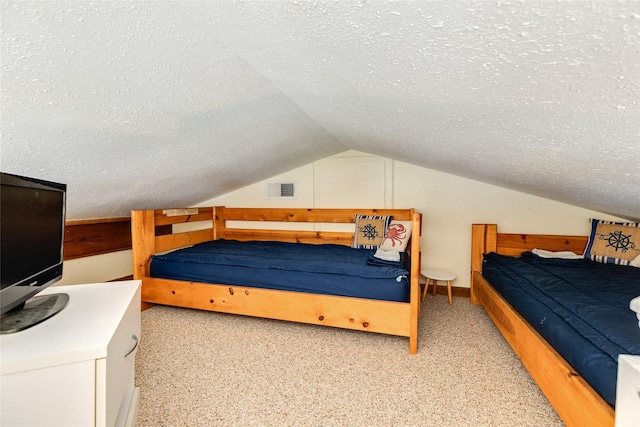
{"x":436,"y":275}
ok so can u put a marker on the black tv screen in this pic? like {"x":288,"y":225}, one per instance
{"x":32,"y":215}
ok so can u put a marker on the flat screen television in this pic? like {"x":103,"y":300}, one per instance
{"x":32,"y":217}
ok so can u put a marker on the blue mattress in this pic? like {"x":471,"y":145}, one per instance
{"x":580,"y":307}
{"x":322,"y":269}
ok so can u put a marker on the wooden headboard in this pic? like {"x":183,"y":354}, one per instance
{"x":485,"y":238}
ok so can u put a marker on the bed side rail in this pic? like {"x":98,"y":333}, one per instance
{"x":296,"y":215}
{"x":309,"y":215}
{"x":147,"y":240}
{"x":220,"y":215}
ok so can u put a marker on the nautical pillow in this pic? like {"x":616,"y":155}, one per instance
{"x":370,"y":230}
{"x":397,"y":236}
{"x":613,"y":242}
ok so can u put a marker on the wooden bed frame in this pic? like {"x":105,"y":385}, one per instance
{"x":574,"y":400}
{"x":394,"y":318}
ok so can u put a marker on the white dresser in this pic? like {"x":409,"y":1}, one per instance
{"x":628,"y":386}
{"x":628,"y":391}
{"x":76,"y":368}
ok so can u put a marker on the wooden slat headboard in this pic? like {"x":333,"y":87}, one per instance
{"x":515,"y":244}
{"x":485,"y":238}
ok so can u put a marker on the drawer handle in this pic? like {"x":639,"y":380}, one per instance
{"x":135,"y":345}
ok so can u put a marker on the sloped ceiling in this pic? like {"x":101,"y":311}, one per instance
{"x":142,"y":104}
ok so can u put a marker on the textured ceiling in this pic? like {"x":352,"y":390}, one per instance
{"x":139,"y":104}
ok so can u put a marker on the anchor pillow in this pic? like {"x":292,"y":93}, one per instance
{"x":397,"y":236}
{"x":613,"y":242}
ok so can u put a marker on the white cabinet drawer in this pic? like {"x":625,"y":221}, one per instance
{"x":115,"y":374}
{"x":43,"y":396}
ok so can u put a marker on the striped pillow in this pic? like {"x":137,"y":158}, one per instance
{"x":613,"y":242}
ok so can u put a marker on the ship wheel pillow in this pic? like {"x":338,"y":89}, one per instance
{"x":614,"y":242}
{"x":370,"y":231}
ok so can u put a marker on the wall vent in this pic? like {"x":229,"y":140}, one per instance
{"x":281,"y":190}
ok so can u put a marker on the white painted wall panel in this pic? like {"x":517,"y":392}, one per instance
{"x":97,"y":269}
{"x":365,"y":182}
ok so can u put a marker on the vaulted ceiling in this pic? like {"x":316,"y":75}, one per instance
{"x":141,"y":104}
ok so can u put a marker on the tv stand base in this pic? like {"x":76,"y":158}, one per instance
{"x":37,"y":309}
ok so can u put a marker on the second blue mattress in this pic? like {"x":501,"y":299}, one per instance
{"x":579,"y":306}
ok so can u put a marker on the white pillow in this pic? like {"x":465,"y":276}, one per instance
{"x":397,"y":236}
{"x":387,"y":255}
{"x":635,"y":262}
{"x":561,"y":254}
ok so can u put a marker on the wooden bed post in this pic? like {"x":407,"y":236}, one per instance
{"x":218,"y":222}
{"x":484,"y":239}
{"x":143,"y":241}
{"x":414,"y":296}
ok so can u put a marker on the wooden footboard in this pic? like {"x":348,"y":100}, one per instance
{"x":386,"y":317}
{"x":575,"y":401}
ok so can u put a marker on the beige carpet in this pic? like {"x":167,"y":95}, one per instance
{"x":197,"y":368}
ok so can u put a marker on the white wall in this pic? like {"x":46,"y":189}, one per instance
{"x":97,"y":269}
{"x":449,"y":205}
